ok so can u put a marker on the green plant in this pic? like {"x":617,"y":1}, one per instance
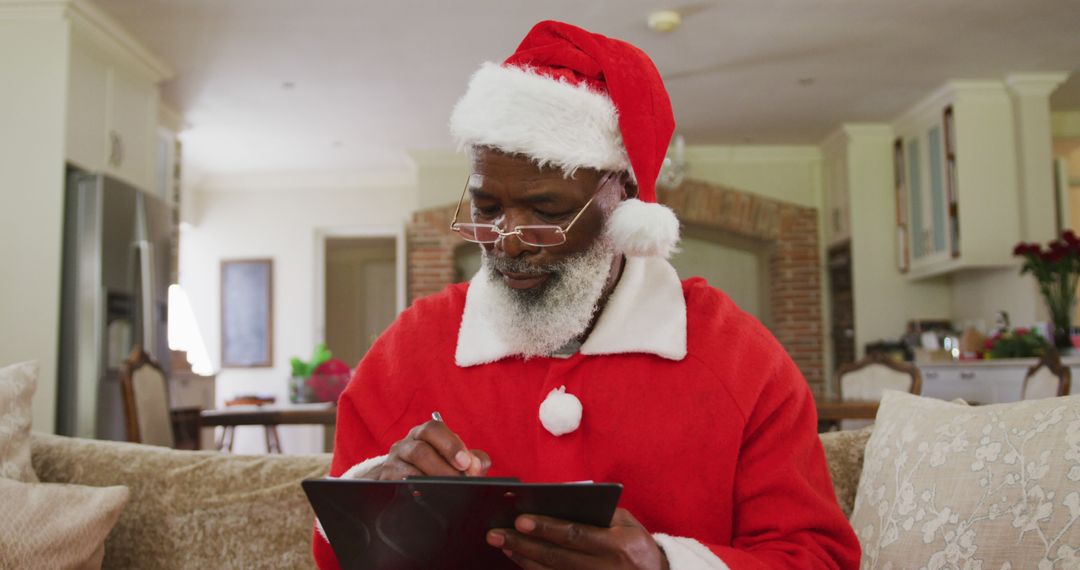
{"x":303,"y":369}
{"x":1017,"y":343}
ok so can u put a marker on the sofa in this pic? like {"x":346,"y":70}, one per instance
{"x":204,"y":509}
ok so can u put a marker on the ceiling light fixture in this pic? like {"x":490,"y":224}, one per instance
{"x":664,"y":21}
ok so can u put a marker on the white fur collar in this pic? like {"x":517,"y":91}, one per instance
{"x":645,"y":313}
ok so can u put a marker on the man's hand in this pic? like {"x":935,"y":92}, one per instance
{"x":431,"y":449}
{"x":546,"y":543}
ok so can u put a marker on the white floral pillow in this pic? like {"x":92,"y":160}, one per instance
{"x":17,"y":384}
{"x":995,"y":487}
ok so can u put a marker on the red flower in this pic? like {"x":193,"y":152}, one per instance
{"x":1070,"y":238}
{"x":1020,"y":331}
{"x":1027,"y":249}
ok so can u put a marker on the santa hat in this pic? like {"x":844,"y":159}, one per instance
{"x":572,"y":99}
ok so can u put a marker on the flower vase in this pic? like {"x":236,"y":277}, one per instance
{"x":1062,"y":336}
{"x":299,"y":390}
{"x":1061,"y":308}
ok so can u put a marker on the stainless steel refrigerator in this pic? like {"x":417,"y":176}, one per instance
{"x":117,"y":247}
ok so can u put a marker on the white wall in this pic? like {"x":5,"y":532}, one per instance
{"x":1065,"y":124}
{"x":977,"y":296}
{"x":33,"y":83}
{"x":1016,"y":139}
{"x":234,"y":219}
{"x":440,"y":176}
{"x":736,"y":268}
{"x":787,"y":173}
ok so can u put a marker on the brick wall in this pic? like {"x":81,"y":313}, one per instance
{"x":790,"y":231}
{"x":430,"y":251}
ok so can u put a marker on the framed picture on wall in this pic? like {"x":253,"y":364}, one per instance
{"x":247,"y":315}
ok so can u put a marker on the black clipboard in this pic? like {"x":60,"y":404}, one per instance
{"x":442,"y":523}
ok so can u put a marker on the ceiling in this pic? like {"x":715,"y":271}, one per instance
{"x":270,"y":86}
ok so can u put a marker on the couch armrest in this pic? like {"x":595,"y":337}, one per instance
{"x":193,"y":508}
{"x":844,"y":452}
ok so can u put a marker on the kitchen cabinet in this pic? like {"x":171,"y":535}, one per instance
{"x":984,"y":382}
{"x":112,"y":105}
{"x":955,"y":168}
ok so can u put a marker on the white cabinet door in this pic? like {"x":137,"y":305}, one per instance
{"x":87,"y":103}
{"x":928,"y":207}
{"x":974,"y":385}
{"x":131,"y":131}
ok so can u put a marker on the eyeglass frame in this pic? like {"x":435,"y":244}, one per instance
{"x":455,"y":226}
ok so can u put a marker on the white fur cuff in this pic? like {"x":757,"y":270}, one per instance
{"x":688,"y":554}
{"x":360,"y":469}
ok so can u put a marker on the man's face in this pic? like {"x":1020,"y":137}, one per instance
{"x":513,"y":191}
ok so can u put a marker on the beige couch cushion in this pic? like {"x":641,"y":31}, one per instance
{"x":946,"y":485}
{"x":17,"y":383}
{"x":844,"y":452}
{"x":47,"y":525}
{"x":193,"y":509}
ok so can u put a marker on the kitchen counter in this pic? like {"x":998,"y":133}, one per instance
{"x":992,"y":381}
{"x":1069,"y":361}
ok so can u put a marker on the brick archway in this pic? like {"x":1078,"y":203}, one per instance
{"x":791,"y":235}
{"x":789,"y":231}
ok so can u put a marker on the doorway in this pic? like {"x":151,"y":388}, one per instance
{"x":842,"y":302}
{"x":360,"y":293}
{"x":736,"y":265}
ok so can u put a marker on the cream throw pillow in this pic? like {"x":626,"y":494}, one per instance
{"x":17,"y":383}
{"x":49,"y":525}
{"x":993,"y":487}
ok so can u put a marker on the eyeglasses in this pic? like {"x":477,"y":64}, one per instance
{"x":539,"y":235}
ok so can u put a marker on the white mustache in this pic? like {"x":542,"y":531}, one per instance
{"x":513,"y":265}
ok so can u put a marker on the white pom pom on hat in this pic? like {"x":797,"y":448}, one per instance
{"x":560,"y":412}
{"x":643,"y":229}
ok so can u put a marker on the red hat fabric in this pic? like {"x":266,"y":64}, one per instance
{"x":572,"y":98}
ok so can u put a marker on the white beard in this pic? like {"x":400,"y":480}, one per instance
{"x":539,"y":321}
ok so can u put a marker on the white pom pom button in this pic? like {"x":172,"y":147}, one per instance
{"x":560,"y":413}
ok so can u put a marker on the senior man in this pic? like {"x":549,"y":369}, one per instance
{"x":576,"y":353}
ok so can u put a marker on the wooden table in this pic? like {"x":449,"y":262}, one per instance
{"x":832,"y":412}
{"x":836,"y":410}
{"x":268,"y":416}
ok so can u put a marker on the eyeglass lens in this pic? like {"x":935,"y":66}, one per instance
{"x":529,"y":235}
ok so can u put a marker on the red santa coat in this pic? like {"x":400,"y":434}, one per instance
{"x":688,"y":402}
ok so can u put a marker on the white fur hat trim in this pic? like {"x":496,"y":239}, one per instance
{"x":551,"y":121}
{"x":644,"y":229}
{"x":560,"y":413}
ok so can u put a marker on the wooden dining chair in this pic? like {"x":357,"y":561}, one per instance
{"x":1048,"y":378}
{"x":868,"y":378}
{"x":146,"y":400}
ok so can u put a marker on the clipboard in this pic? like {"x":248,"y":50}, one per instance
{"x":441,"y":523}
